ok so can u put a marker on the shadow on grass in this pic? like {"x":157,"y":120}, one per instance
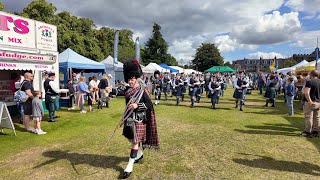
{"x":100,"y":161}
{"x":264,"y":162}
{"x":204,"y":105}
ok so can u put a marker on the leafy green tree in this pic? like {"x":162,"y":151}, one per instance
{"x":40,"y":10}
{"x":1,"y":6}
{"x":228,"y":64}
{"x":156,"y":48}
{"x":207,"y":55}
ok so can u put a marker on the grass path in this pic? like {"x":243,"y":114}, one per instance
{"x":198,"y":143}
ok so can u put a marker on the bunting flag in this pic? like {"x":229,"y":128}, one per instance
{"x":115,"y":48}
{"x":137,"y":50}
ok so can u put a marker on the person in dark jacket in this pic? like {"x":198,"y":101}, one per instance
{"x":271,"y":91}
{"x":71,"y":94}
{"x":139,"y":119}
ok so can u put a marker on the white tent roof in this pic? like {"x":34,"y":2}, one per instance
{"x":108,"y":62}
{"x":152,"y":67}
{"x":181,"y":70}
{"x":293,"y":68}
{"x":189,"y":71}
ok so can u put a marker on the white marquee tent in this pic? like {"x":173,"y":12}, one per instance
{"x":293,"y":68}
{"x":152,"y":67}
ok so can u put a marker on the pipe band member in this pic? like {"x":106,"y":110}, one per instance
{"x":177,"y":85}
{"x":157,"y":83}
{"x":166,"y":85}
{"x":214,"y":87}
{"x":240,"y":85}
{"x":139,"y":120}
{"x":193,"y":84}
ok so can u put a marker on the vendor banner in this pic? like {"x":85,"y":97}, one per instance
{"x":115,"y":48}
{"x":18,"y":32}
{"x":25,"y":57}
{"x":24,"y":66}
{"x":137,"y":50}
{"x":46,"y":37}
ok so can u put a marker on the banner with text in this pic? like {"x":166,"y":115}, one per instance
{"x":16,"y":31}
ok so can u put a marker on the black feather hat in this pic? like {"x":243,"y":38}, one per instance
{"x":156,"y":72}
{"x":131,"y":69}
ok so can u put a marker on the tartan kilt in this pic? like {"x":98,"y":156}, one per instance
{"x":238,"y":94}
{"x":183,"y":89}
{"x":193,"y":91}
{"x":177,"y":91}
{"x":140,"y":134}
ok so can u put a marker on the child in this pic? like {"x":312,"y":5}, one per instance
{"x":91,"y":98}
{"x":290,"y":93}
{"x":37,"y":112}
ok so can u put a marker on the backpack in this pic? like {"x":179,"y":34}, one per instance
{"x":20,"y":96}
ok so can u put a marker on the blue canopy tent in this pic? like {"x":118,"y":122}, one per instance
{"x":70,"y":61}
{"x":172,"y":70}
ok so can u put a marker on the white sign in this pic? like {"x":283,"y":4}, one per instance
{"x":46,"y":36}
{"x":25,"y":57}
{"x":17,"y":31}
{"x":24,"y":66}
{"x":5,"y":118}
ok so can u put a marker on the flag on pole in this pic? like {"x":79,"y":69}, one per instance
{"x":115,"y":48}
{"x":137,"y":50}
{"x":317,"y":55}
{"x":273,"y":65}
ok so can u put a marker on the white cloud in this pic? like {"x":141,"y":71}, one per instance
{"x":268,"y":29}
{"x":306,"y":39}
{"x":307,"y":6}
{"x":182,"y":50}
{"x":264,"y":55}
{"x":225,"y":43}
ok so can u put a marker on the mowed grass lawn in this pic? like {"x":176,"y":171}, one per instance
{"x":198,"y":143}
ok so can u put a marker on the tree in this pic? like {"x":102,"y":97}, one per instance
{"x":40,"y":10}
{"x":228,"y":64}
{"x":207,"y":55}
{"x":288,"y":63}
{"x":1,"y":6}
{"x":156,"y":49}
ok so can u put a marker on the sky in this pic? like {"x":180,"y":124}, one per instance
{"x":240,"y":29}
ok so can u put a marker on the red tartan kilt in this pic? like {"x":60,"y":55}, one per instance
{"x":140,"y":133}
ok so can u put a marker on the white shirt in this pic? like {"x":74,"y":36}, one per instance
{"x":94,"y":83}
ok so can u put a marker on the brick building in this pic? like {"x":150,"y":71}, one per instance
{"x":254,"y":65}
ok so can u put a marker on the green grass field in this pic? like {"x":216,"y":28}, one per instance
{"x":198,"y":143}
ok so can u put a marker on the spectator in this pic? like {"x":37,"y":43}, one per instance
{"x":104,"y":83}
{"x":71,"y":94}
{"x":91,"y":100}
{"x":271,"y":91}
{"x":290,"y":93}
{"x":94,"y":83}
{"x":27,"y":87}
{"x":82,"y":90}
{"x":311,"y":106}
{"x":51,"y":96}
{"x":37,"y":112}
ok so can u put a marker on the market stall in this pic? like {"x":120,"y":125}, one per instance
{"x":25,"y":45}
{"x":221,"y":69}
{"x":172,"y":70}
{"x":72,"y":62}
{"x":292,"y":68}
{"x":152,"y":67}
{"x":305,"y":69}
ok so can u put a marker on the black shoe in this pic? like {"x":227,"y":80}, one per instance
{"x":266,"y":106}
{"x":52,"y":120}
{"x":273,"y":106}
{"x":56,"y":117}
{"x":315,"y":134}
{"x":137,"y":161}
{"x":305,"y":134}
{"x":241,"y":109}
{"x":126,"y":175}
{"x":20,"y":122}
